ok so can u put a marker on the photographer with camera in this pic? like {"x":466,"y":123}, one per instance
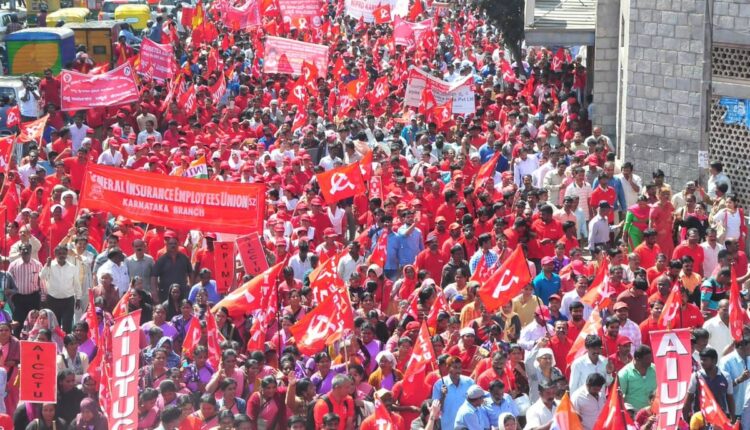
{"x":29,"y":99}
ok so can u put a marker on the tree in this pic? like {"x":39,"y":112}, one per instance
{"x":508,"y":17}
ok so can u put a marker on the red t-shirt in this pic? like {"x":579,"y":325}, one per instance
{"x":551,"y":230}
{"x":607,"y":195}
{"x":431,"y":262}
{"x":344,"y":410}
{"x":696,"y":252}
{"x":75,"y":169}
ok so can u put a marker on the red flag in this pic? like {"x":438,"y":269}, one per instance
{"x":440,"y":305}
{"x":258,"y":332}
{"x":324,"y":324}
{"x":14,"y":117}
{"x":486,"y":170}
{"x":6,"y":153}
{"x":382,"y":14}
{"x":599,"y":292}
{"x":121,"y":308}
{"x":379,"y":91}
{"x":92,"y":320}
{"x":481,"y":273}
{"x":613,"y":416}
{"x":672,"y":308}
{"x":346,"y":103}
{"x":563,"y":126}
{"x":298,"y":94}
{"x":379,"y":254}
{"x":415,"y":10}
{"x":213,"y":339}
{"x":383,"y":420}
{"x":736,"y":313}
{"x":592,"y":326}
{"x":340,"y":183}
{"x":558,"y":60}
{"x":426,"y":102}
{"x":310,"y":75}
{"x":252,"y":295}
{"x":300,"y":119}
{"x":712,"y":412}
{"x":358,"y":87}
{"x":565,"y":417}
{"x":443,"y":114}
{"x":32,"y":131}
{"x":325,"y":280}
{"x":218,"y":89}
{"x":507,"y":281}
{"x":188,"y":101}
{"x":508,"y":75}
{"x":192,"y":337}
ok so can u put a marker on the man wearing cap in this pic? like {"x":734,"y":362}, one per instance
{"x":628,"y":328}
{"x":471,"y":415}
{"x":63,"y":287}
{"x":410,"y":240}
{"x":547,"y":282}
{"x":599,"y":228}
{"x":205,"y":283}
{"x":116,"y":267}
{"x":112,"y":156}
{"x":431,"y":259}
{"x":536,"y":330}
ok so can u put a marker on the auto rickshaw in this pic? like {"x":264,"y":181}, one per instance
{"x":69,"y":14}
{"x":98,"y":37}
{"x":34,"y":49}
{"x":137,"y":15}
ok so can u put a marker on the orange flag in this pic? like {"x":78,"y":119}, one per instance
{"x":565,"y":417}
{"x":324,"y":324}
{"x":596,"y":296}
{"x":613,"y":416}
{"x":422,"y":356}
{"x":506,"y":282}
{"x":592,"y":326}
{"x":251,"y":296}
{"x":671,"y":308}
{"x":121,"y":308}
{"x":487,"y":169}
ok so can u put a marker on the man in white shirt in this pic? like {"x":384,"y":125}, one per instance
{"x":542,"y":412}
{"x":524,"y":165}
{"x":588,"y":401}
{"x":581,"y":189}
{"x":63,"y":287}
{"x":78,"y":132}
{"x":115,"y":266}
{"x":631,"y":184}
{"x":112,"y":156}
{"x":536,"y":330}
{"x":348,"y":263}
{"x":711,"y":248}
{"x":718,"y":329}
{"x":300,"y":262}
{"x":590,"y":362}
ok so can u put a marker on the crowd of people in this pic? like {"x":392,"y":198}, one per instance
{"x":558,"y":191}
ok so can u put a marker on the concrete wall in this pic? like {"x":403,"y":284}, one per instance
{"x":666,"y":60}
{"x":605,"y":73}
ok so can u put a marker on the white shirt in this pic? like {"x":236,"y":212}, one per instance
{"x":109,"y":159}
{"x":524,"y":167}
{"x":25,"y":172}
{"x":710,"y":257}
{"x":120,"y":277}
{"x":631,"y":196}
{"x":298,"y":266}
{"x":570,"y":297}
{"x":582,"y":367}
{"x":29,"y":107}
{"x":77,"y":135}
{"x":348,"y":265}
{"x":731,"y":222}
{"x":62,"y":281}
{"x":587,"y":406}
{"x":719,"y":335}
{"x":538,"y":415}
{"x":583,"y":193}
{"x":532,"y":333}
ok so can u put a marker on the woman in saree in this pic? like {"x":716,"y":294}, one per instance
{"x":636,"y":222}
{"x":661,"y":219}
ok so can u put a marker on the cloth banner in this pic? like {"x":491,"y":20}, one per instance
{"x":286,"y":55}
{"x":113,"y":88}
{"x":157,"y":60}
{"x":123,"y":384}
{"x":364,"y":8}
{"x":408,"y":33}
{"x":251,"y":253}
{"x":297,"y":9}
{"x":673,"y":365}
{"x":460,"y":91}
{"x":243,"y":17}
{"x":39,"y":372}
{"x":223,"y":266}
{"x":174,"y":201}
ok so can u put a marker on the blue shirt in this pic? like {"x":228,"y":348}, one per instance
{"x":213,"y":295}
{"x":454,"y":398}
{"x":470,"y":418}
{"x":543,"y":287}
{"x":392,"y":245}
{"x":733,"y":365}
{"x":489,"y":260}
{"x":486,"y":152}
{"x":493,"y":410}
{"x":410,"y":244}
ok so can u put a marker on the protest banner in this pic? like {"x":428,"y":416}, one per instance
{"x":408,"y":33}
{"x":122,"y":409}
{"x":365,"y":8}
{"x":461,"y":91}
{"x":175,"y":201}
{"x":673,"y":366}
{"x":251,"y":253}
{"x":286,"y":55}
{"x":308,"y":9}
{"x":113,"y":88}
{"x":157,"y":60}
{"x":223,"y":266}
{"x":242,"y":17}
{"x":39,"y":372}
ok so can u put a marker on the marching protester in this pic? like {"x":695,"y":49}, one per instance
{"x":339,"y":215}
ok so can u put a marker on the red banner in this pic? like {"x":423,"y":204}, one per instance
{"x":673,"y":365}
{"x":224,"y":266}
{"x":243,"y":17}
{"x":251,"y":253}
{"x":408,"y":33}
{"x":175,"y":201}
{"x":157,"y":60}
{"x":309,"y":9}
{"x":123,"y":383}
{"x":113,"y":88}
{"x":6,"y":152}
{"x":32,"y":131}
{"x":39,"y":372}
{"x":286,"y":56}
{"x":341,"y":183}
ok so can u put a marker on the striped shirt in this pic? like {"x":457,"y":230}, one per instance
{"x":26,"y":275}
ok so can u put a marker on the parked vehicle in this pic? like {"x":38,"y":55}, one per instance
{"x":98,"y":37}
{"x":137,"y":15}
{"x":34,"y":49}
{"x":68,"y":15}
{"x":107,"y":12}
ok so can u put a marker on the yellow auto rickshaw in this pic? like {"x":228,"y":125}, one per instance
{"x":137,"y":15}
{"x":68,"y":14}
{"x":98,"y":37}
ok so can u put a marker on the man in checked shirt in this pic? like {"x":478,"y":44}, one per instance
{"x":25,"y":272}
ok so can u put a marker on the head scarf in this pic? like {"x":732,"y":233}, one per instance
{"x":53,"y":326}
{"x":88,"y":404}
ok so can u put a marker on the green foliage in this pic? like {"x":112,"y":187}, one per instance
{"x":508,"y":17}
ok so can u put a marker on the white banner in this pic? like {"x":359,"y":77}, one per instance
{"x":462,"y":91}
